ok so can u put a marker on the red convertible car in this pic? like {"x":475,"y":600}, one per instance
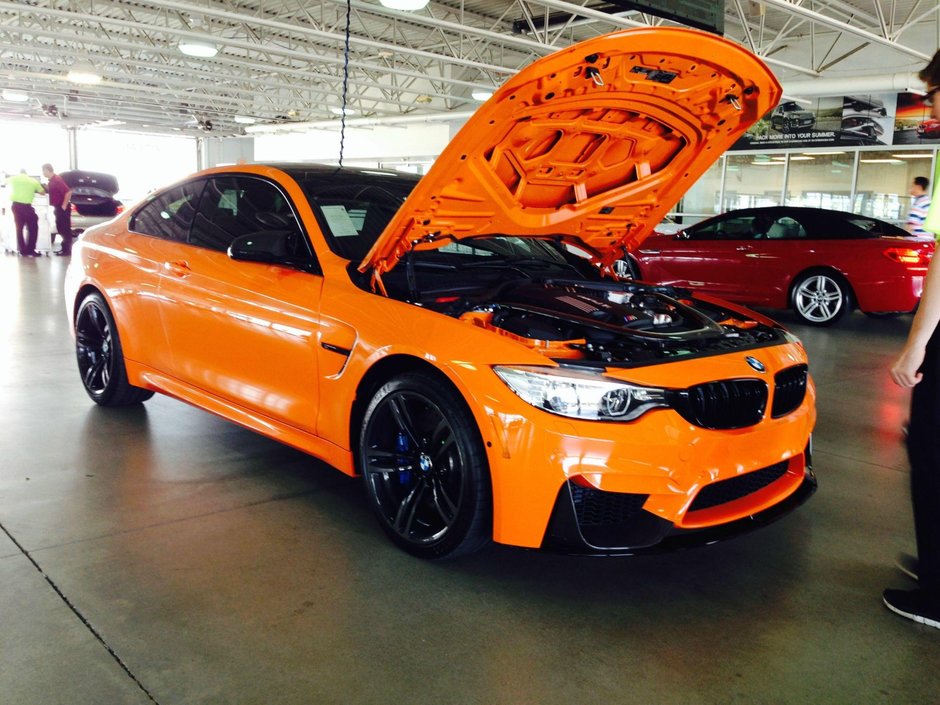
{"x":818,"y":262}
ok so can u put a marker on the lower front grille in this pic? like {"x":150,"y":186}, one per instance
{"x":735,"y":488}
{"x":595,"y":507}
{"x":726,"y":404}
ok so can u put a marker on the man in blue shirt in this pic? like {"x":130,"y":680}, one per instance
{"x":920,"y":204}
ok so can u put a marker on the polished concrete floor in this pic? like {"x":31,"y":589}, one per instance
{"x":161,"y":555}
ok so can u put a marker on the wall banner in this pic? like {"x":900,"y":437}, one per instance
{"x":861,"y":120}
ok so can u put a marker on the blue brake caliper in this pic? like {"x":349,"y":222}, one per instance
{"x":402,"y":446}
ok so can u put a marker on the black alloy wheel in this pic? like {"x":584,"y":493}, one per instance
{"x":425,"y":469}
{"x":100,"y":358}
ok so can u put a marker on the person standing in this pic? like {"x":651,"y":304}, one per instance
{"x":23,"y":189}
{"x":60,"y":196}
{"x":920,"y":204}
{"x":918,"y":368}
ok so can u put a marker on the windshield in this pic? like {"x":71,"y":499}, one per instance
{"x":354,"y":207}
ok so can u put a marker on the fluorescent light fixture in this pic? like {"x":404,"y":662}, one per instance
{"x":84,"y":73}
{"x":404,"y":5}
{"x":198,"y":47}
{"x":912,"y":156}
{"x":14,"y":96}
{"x":801,"y":159}
{"x":339,"y":111}
{"x":818,"y":153}
{"x":244,"y":120}
{"x":481,"y":94}
{"x":881,"y":161}
{"x":768,"y":163}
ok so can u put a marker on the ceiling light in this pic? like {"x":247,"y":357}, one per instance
{"x":481,"y":94}
{"x":245,"y":120}
{"x":14,"y":96}
{"x":424,"y":99}
{"x":912,"y":156}
{"x":83,"y":72}
{"x":405,"y":5}
{"x":881,"y":161}
{"x":198,"y":47}
{"x":348,"y":111}
{"x":800,"y":159}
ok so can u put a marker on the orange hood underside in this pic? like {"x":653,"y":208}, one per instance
{"x":595,"y":142}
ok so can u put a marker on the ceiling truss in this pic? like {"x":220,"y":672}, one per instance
{"x":282,"y":61}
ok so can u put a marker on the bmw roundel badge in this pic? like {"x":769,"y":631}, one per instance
{"x":756,"y":364}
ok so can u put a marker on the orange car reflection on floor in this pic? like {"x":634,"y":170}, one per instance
{"x":462,"y":341}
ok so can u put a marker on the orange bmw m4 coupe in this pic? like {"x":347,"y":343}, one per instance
{"x":462,"y":341}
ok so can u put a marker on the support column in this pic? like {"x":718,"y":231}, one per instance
{"x":72,"y":133}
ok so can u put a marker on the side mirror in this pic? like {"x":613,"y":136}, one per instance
{"x":271,"y":247}
{"x":682,"y":235}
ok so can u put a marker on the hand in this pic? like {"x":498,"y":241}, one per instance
{"x":904,"y":372}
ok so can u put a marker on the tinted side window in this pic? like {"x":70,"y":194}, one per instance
{"x":233,"y":206}
{"x":741,"y":227}
{"x":169,"y":215}
{"x":786,"y":228}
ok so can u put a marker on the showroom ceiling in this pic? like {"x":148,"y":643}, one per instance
{"x":282,"y":61}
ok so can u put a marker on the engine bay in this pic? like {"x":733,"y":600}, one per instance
{"x":614,"y":323}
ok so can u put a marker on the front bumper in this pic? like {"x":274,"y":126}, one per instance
{"x":623,"y":527}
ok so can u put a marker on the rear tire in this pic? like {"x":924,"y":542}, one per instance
{"x":424,"y":468}
{"x":100,"y":357}
{"x":820,"y":298}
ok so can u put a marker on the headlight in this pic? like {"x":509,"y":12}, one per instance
{"x":580,"y":394}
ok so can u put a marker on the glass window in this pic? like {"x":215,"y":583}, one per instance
{"x":353,"y":210}
{"x":738,"y":227}
{"x":234,"y":206}
{"x":785,"y":228}
{"x":169,"y":214}
{"x":884,"y":183}
{"x":820,"y":180}
{"x":701,"y":200}
{"x":753,"y":180}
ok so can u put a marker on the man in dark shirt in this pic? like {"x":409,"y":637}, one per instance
{"x":60,"y":199}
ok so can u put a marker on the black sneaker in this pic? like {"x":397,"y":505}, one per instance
{"x":908,"y":565}
{"x":918,"y":605}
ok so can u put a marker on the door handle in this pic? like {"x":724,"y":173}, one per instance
{"x":180,"y":268}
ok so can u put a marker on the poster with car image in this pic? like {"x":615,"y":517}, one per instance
{"x":913,"y":123}
{"x":868,"y":119}
{"x":833,"y":121}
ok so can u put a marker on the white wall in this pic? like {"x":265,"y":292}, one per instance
{"x":378,"y":144}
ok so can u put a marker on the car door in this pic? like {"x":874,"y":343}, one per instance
{"x":244,"y":332}
{"x":154,"y":231}
{"x":707,"y":258}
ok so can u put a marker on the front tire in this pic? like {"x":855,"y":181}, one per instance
{"x":424,"y":468}
{"x":820,"y":298}
{"x":100,"y":357}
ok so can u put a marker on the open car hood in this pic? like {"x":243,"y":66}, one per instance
{"x":593,"y":143}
